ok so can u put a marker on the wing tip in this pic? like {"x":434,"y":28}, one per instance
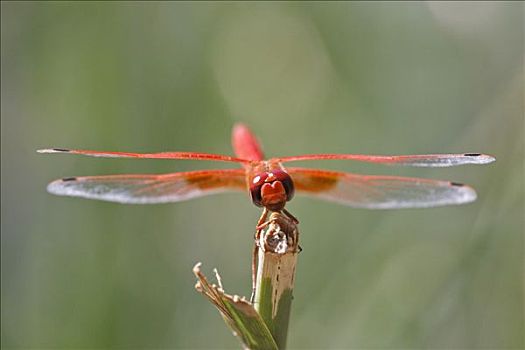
{"x":479,"y":158}
{"x":66,"y":179}
{"x":56,"y":187}
{"x":61,"y":186}
{"x":467,"y":193}
{"x":53,"y":150}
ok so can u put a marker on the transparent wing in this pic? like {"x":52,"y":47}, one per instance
{"x":162,"y":155}
{"x":150,"y":189}
{"x":379,"y":192}
{"x":425,"y":160}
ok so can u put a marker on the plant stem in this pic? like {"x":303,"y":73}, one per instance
{"x":262,"y":325}
{"x":278,"y":247}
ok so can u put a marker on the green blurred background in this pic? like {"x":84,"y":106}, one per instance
{"x":377,"y":78}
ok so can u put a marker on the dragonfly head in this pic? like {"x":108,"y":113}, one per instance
{"x":272,"y":189}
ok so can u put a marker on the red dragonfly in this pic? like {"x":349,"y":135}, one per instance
{"x":270,"y":184}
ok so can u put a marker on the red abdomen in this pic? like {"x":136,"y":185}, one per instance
{"x":245,"y":144}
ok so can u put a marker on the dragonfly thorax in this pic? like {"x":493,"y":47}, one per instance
{"x":272,"y":189}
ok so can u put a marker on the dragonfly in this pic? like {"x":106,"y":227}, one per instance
{"x":270,"y":184}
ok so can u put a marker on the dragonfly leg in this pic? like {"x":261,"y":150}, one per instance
{"x":263,"y":216}
{"x":294,"y":219}
{"x":262,"y":223}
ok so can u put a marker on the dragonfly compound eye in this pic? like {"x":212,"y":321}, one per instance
{"x":255,"y":188}
{"x":272,"y":189}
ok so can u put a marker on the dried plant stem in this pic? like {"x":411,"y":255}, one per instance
{"x":278,"y":247}
{"x":239,"y":314}
{"x":263,"y":324}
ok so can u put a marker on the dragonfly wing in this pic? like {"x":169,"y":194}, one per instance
{"x":150,"y":189}
{"x":422,"y":160}
{"x":379,"y":192}
{"x":162,"y":155}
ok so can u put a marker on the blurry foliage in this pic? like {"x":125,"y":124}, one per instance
{"x":308,"y":77}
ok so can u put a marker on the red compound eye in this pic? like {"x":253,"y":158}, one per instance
{"x":255,"y":188}
{"x":276,"y":199}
